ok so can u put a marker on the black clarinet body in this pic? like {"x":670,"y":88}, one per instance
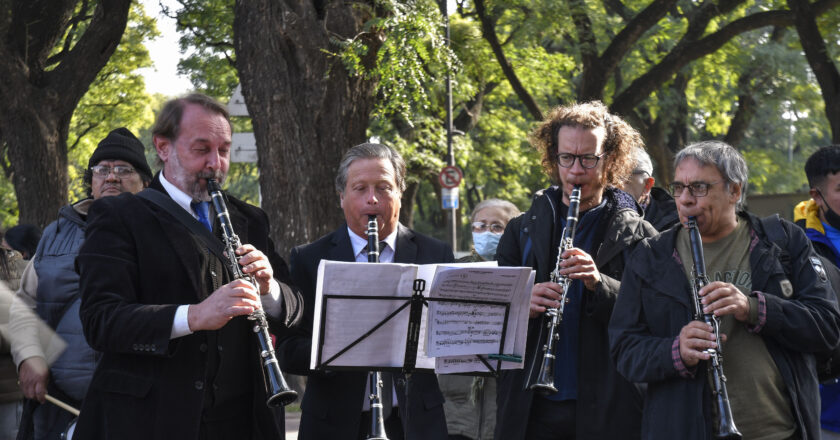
{"x":277,"y":390}
{"x":723,"y":424}
{"x":377,"y":416}
{"x":553,"y":315}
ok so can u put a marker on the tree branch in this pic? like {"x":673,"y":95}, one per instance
{"x":683,"y":54}
{"x":489,"y":32}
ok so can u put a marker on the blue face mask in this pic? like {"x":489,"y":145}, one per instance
{"x":486,"y":243}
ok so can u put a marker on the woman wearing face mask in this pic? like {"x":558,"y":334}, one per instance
{"x":470,"y":405}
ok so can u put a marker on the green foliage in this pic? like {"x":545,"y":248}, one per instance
{"x":206,"y":28}
{"x":117,"y":98}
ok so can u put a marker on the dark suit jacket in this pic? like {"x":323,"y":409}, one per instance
{"x":332,"y":403}
{"x":137,"y":265}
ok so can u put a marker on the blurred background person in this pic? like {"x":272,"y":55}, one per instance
{"x":22,"y":238}
{"x":488,"y":221}
{"x":11,"y":397}
{"x":819,"y":219}
{"x":470,"y":405}
{"x":660,"y":208}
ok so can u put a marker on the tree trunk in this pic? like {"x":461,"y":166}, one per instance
{"x":41,"y":88}
{"x":305,"y":108}
{"x":821,"y":63}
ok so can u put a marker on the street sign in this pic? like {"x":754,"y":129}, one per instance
{"x":449,"y":198}
{"x":243,"y":148}
{"x":236,"y":106}
{"x":450,"y":177}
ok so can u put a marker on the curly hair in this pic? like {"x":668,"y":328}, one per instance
{"x":619,"y":142}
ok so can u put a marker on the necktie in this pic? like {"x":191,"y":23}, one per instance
{"x":382,"y":245}
{"x":202,"y":210}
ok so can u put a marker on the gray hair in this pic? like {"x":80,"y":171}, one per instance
{"x":370,"y":151}
{"x":642,"y":161}
{"x":728,"y":161}
{"x":509,"y":209}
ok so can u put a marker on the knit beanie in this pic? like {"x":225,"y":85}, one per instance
{"x":121,"y":144}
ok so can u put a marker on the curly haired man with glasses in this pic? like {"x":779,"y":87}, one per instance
{"x":581,"y":145}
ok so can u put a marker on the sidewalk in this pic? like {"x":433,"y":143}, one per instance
{"x":292,"y":424}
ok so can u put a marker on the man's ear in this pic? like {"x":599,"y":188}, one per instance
{"x":817,"y":196}
{"x":649,"y":184}
{"x":163,"y":146}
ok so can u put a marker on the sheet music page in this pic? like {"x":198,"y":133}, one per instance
{"x":469,"y":328}
{"x":344,"y":320}
{"x":515,"y":338}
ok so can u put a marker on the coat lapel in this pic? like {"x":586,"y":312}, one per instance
{"x":406,"y":251}
{"x":341,"y":249}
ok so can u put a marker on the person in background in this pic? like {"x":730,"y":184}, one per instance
{"x":23,"y":238}
{"x":819,"y":218}
{"x":470,"y":405}
{"x":488,"y":221}
{"x":11,"y":396}
{"x":50,"y":288}
{"x":659,"y":206}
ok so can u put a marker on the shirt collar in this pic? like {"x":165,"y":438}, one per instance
{"x":359,"y":243}
{"x":180,"y":197}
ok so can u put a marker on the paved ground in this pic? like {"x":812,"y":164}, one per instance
{"x":292,"y":423}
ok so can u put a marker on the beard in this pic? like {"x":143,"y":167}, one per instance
{"x":191,"y":183}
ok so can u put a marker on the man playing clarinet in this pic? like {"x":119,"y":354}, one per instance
{"x":370,"y":181}
{"x":582,"y":146}
{"x":179,"y":358}
{"x":766,"y":287}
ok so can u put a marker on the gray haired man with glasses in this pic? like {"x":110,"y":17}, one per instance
{"x":50,"y":287}
{"x":765,"y":285}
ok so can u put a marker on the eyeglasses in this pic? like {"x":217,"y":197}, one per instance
{"x":696,"y":189}
{"x":588,"y":161}
{"x":483,"y":227}
{"x":120,"y":171}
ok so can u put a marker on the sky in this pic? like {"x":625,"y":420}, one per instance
{"x":163,"y":77}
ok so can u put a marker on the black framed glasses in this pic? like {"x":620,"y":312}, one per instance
{"x":495,"y":228}
{"x":588,"y":161}
{"x":696,"y":189}
{"x":120,"y":171}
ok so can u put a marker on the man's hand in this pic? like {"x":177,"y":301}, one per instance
{"x":544,"y":295}
{"x":725,"y":299}
{"x":236,"y":298}
{"x":256,"y":263}
{"x":33,"y":377}
{"x":578,"y":265}
{"x":696,"y":337}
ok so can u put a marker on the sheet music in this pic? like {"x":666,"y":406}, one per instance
{"x":345,"y":320}
{"x":515,"y":338}
{"x":472,"y":328}
{"x":349,"y":305}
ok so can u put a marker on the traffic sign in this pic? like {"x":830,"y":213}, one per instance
{"x":449,"y":198}
{"x":450,"y":177}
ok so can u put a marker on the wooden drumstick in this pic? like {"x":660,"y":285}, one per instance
{"x":62,"y":405}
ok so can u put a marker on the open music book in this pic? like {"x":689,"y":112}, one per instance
{"x":471,"y":314}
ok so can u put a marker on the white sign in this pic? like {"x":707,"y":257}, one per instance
{"x":449,"y":198}
{"x":236,"y":106}
{"x":243,"y":148}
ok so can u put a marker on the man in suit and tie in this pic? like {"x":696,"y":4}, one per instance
{"x":370,"y":181}
{"x":179,"y":359}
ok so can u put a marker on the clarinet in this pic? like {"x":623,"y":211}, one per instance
{"x":724,"y":424}
{"x":553,"y":315}
{"x":277,"y":391}
{"x":377,"y":417}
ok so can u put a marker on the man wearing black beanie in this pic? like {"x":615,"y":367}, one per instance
{"x":50,"y":287}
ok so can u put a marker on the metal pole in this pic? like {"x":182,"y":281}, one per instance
{"x":450,"y":154}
